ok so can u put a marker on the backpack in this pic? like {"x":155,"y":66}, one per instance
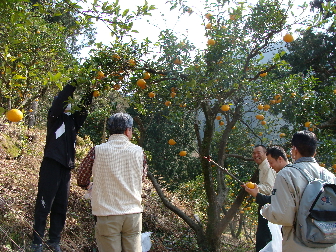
{"x":316,"y":217}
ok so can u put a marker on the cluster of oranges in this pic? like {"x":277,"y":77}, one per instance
{"x":173,"y":142}
{"x":288,"y":38}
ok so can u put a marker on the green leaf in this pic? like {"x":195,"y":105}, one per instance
{"x":57,"y":76}
{"x":125,"y":12}
{"x":19,"y":77}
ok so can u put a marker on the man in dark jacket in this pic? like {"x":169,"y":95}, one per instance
{"x":55,"y":171}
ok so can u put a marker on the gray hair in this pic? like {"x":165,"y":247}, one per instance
{"x":119,"y":122}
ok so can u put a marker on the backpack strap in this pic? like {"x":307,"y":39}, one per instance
{"x":304,"y":172}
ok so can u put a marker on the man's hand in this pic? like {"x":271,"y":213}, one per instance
{"x":250,"y":191}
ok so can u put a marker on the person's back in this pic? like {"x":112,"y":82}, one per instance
{"x":118,"y":167}
{"x":117,"y":173}
{"x":288,"y":188}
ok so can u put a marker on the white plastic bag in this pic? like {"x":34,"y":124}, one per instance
{"x":275,"y":245}
{"x":146,"y":241}
{"x":88,"y":193}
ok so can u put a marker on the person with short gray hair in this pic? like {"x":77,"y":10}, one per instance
{"x":118,"y":168}
{"x":119,"y":122}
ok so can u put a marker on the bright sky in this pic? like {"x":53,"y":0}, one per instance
{"x":163,"y":18}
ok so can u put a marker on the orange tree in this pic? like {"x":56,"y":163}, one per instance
{"x":313,"y":107}
{"x":34,"y":52}
{"x":39,"y":42}
{"x":188,"y":89}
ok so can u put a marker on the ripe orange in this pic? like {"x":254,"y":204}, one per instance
{"x":277,"y":97}
{"x":263,"y":74}
{"x":141,"y":83}
{"x":263,"y":122}
{"x":218,"y":117}
{"x":260,"y":117}
{"x":232,"y":17}
{"x":95,"y":93}
{"x":100,"y":75}
{"x":151,"y":94}
{"x":116,"y":87}
{"x":116,"y":56}
{"x":208,"y":16}
{"x":260,"y":107}
{"x":288,"y":38}
{"x":177,"y":61}
{"x":183,"y":105}
{"x":131,"y":62}
{"x":146,"y":76}
{"x":221,"y":123}
{"x":272,"y":101}
{"x":183,"y":153}
{"x":211,"y":42}
{"x":171,"y":142}
{"x":334,"y":91}
{"x":14,"y":115}
{"x":293,"y":95}
{"x":225,"y":108}
{"x":282,"y":134}
{"x":172,"y":94}
{"x":322,"y":164}
{"x":266,"y":107}
{"x":30,"y":110}
{"x":167,"y":103}
{"x":334,"y":166}
{"x":250,"y":185}
{"x":208,"y":26}
{"x":307,"y":124}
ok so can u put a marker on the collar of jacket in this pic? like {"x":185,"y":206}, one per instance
{"x":305,"y":159}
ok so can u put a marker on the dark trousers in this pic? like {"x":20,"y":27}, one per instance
{"x":52,"y":197}
{"x":263,"y":235}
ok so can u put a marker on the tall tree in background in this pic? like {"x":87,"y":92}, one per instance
{"x":313,"y":53}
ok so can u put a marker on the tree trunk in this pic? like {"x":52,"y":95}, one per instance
{"x":32,"y":115}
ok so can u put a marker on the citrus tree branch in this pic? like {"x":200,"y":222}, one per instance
{"x":195,"y":226}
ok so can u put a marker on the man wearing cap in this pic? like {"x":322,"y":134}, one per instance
{"x":56,"y":166}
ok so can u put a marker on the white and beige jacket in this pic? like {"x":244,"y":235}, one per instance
{"x":288,"y":188}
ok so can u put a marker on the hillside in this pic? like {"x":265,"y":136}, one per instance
{"x":21,"y":152}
